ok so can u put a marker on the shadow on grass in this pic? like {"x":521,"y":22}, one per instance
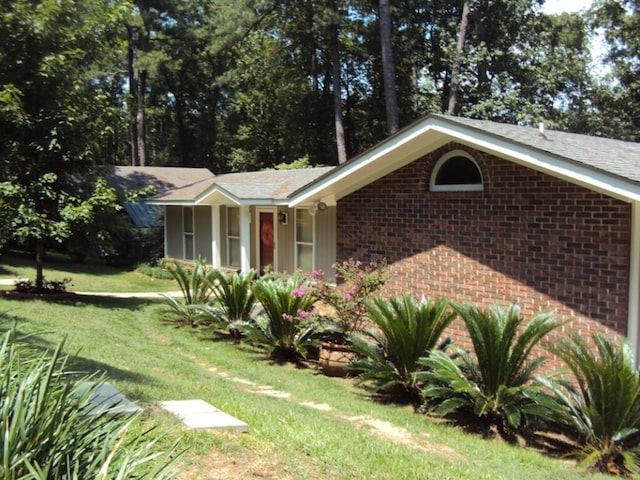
{"x":76,"y":300}
{"x":62,"y":266}
{"x":82,"y":366}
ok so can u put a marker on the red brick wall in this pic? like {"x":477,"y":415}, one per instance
{"x":527,"y":238}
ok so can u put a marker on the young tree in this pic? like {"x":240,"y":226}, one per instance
{"x":52,"y":115}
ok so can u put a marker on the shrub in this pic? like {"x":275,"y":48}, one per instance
{"x":356,"y":282}
{"x":48,"y":286}
{"x":406,"y":332}
{"x":48,"y":432}
{"x":234,"y":300}
{"x":285,"y":328}
{"x":195,"y":284}
{"x":494,"y":389}
{"x":600,"y":408}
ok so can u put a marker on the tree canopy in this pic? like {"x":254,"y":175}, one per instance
{"x":235,"y":86}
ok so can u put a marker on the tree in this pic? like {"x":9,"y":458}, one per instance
{"x":388,"y":67}
{"x":620,"y":21}
{"x":53,"y":115}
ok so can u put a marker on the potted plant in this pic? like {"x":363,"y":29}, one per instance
{"x":344,"y":311}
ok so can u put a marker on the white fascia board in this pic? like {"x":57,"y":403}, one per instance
{"x":404,"y":148}
{"x":569,"y":171}
{"x":429,"y":135}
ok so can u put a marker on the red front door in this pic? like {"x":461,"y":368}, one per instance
{"x":267,"y":244}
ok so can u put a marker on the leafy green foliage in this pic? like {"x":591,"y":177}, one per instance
{"x":406,"y":331}
{"x":195,"y":283}
{"x":234,"y":300}
{"x":49,"y":432}
{"x":495,"y":386}
{"x":356,"y":282}
{"x":600,"y":408}
{"x":285,"y":328}
{"x":55,"y":116}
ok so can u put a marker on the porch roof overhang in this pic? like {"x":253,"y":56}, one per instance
{"x":607,"y":166}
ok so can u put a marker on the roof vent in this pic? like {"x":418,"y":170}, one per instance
{"x":541,"y":130}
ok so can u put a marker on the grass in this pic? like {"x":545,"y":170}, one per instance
{"x":326,"y":428}
{"x":84,"y":277}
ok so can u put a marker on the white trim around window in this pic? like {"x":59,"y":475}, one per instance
{"x":456,"y":187}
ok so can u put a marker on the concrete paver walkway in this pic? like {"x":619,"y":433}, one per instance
{"x":199,"y":414}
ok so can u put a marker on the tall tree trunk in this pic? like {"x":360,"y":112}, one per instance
{"x":141,"y":118}
{"x":481,"y":35}
{"x":388,"y":68}
{"x":132,"y":98}
{"x":39,"y":264}
{"x":335,"y":81}
{"x":455,"y":69}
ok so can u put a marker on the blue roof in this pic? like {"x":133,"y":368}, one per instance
{"x":145,"y":215}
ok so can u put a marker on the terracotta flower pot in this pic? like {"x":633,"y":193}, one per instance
{"x":335,"y":358}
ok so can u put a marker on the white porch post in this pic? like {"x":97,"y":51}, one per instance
{"x":245,"y":238}
{"x":633,"y":327}
{"x":164,"y":226}
{"x":215,"y":236}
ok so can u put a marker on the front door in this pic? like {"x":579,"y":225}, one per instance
{"x":267,"y":241}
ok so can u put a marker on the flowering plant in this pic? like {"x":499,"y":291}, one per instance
{"x":355,"y":282}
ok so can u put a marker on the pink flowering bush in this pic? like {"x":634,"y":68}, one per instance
{"x":356,"y":281}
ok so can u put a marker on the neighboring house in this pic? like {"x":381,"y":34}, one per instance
{"x":468,"y":209}
{"x":163,"y":179}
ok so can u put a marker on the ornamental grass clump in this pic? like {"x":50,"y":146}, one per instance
{"x":49,"y":433}
{"x":492,"y":390}
{"x":286,"y":328}
{"x":599,"y":408}
{"x":406,"y":331}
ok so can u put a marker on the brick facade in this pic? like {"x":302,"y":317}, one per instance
{"x":527,"y":237}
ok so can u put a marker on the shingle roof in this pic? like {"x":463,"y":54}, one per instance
{"x":266,"y":185}
{"x":163,"y":178}
{"x":616,"y":157}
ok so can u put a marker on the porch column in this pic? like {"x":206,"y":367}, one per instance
{"x":245,"y":238}
{"x":216,"y":240}
{"x":164,"y":227}
{"x":633,"y":320}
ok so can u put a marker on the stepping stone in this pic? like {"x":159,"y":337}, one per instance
{"x":108,"y":399}
{"x":199,"y":414}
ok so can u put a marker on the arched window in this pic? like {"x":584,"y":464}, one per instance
{"x":456,"y":171}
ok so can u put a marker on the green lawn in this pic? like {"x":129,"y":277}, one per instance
{"x":304,"y":425}
{"x":85,"y":277}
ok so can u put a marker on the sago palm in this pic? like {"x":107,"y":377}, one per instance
{"x":494,"y":385}
{"x":600,"y":408}
{"x":282,"y":329}
{"x":405,"y":331}
{"x":194,"y":282}
{"x":234,"y":300}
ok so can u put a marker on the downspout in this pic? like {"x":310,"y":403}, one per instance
{"x":215,"y":236}
{"x":633,"y":327}
{"x":245,"y":238}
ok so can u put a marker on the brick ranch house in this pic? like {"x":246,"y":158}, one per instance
{"x":467,"y":209}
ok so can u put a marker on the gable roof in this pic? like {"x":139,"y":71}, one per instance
{"x":608,"y":166}
{"x":267,"y":187}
